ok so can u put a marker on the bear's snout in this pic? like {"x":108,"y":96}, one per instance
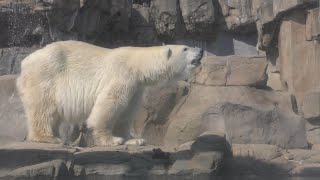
{"x":197,"y":60}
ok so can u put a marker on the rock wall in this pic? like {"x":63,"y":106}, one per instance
{"x":258,"y":85}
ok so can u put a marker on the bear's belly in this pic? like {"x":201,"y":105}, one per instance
{"x":74,"y":104}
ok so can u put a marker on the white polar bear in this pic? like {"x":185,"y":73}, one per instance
{"x":79,"y":83}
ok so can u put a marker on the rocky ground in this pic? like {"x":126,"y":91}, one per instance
{"x":210,"y":155}
{"x":251,"y":109}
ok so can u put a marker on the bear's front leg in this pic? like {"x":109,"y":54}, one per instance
{"x":109,"y":104}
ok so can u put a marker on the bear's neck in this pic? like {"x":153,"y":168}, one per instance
{"x":151,"y":72}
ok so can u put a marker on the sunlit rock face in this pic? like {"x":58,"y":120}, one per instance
{"x":257,"y":90}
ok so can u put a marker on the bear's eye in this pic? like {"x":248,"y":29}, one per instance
{"x":185,"y":49}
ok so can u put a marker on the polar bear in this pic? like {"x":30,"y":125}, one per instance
{"x":76,"y":82}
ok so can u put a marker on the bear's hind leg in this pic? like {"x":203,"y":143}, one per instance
{"x":42,"y":123}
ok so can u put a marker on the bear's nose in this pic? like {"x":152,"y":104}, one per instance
{"x":201,"y":51}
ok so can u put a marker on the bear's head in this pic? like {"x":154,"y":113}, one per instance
{"x":182,"y":60}
{"x":158,"y":63}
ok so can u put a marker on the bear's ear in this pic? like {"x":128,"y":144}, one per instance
{"x":167,"y":53}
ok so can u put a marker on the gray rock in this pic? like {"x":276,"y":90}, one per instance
{"x":18,"y":155}
{"x":313,"y":132}
{"x":122,"y":160}
{"x":61,"y":19}
{"x":5,"y":140}
{"x":21,"y":23}
{"x":247,"y":125}
{"x":304,"y":156}
{"x":140,"y":16}
{"x":257,"y":160}
{"x":51,"y":169}
{"x":262,"y":159}
{"x":10,"y":59}
{"x":104,"y":170}
{"x":101,"y":21}
{"x":307,"y":170}
{"x":12,"y":118}
{"x":198,"y":16}
{"x":263,"y":152}
{"x":166,"y":17}
{"x":210,"y":141}
{"x":205,"y":163}
{"x":265,"y":12}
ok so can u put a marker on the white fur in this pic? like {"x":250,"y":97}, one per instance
{"x":81,"y":83}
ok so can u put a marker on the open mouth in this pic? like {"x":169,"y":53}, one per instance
{"x":196,"y":62}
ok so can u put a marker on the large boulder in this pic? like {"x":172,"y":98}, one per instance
{"x":247,"y":125}
{"x":195,"y":112}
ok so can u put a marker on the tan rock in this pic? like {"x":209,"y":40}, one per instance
{"x":311,"y":105}
{"x":187,"y":121}
{"x":274,"y":81}
{"x":246,"y":71}
{"x":316,"y":147}
{"x":313,"y":25}
{"x":232,"y":71}
{"x":213,"y":71}
{"x":299,"y":59}
{"x":285,"y":5}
